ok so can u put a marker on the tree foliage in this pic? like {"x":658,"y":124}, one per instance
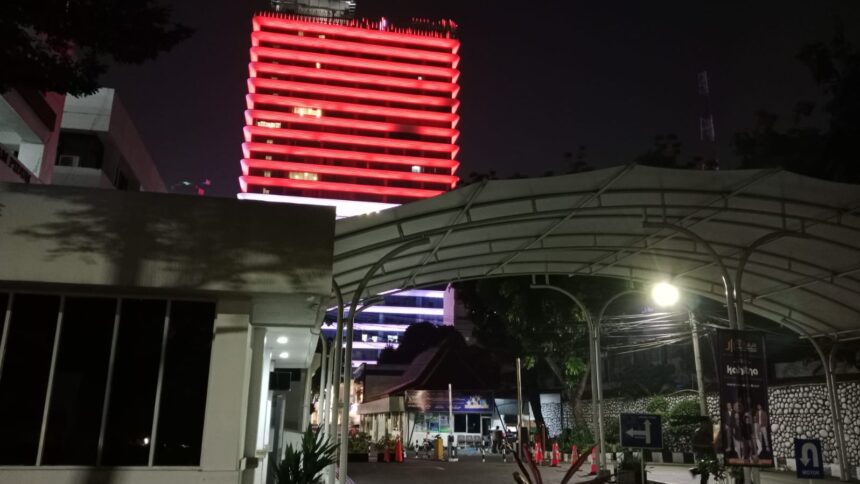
{"x":416,"y":339}
{"x":544,"y":328}
{"x":64,"y":46}
{"x":803,"y":146}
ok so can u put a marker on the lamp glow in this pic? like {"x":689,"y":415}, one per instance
{"x":282,"y":340}
{"x":284,"y":355}
{"x":665,"y":294}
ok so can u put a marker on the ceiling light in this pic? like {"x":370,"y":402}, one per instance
{"x":665,"y":294}
{"x":284,"y":355}
{"x":282,"y":340}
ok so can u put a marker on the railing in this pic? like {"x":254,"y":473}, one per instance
{"x":18,"y":168}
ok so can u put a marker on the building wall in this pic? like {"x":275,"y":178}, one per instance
{"x":796,"y":411}
{"x":224,"y":421}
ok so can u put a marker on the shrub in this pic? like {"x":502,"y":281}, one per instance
{"x":657,"y":404}
{"x":681,"y":423}
{"x":304,"y":465}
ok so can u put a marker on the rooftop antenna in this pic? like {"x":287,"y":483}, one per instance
{"x":707,"y":133}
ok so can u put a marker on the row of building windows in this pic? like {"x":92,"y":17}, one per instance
{"x":403,"y":132}
{"x":358,"y":55}
{"x":439,"y":155}
{"x":367,"y":117}
{"x":309,"y":176}
{"x":364,"y":41}
{"x":103,"y":381}
{"x":440,"y":422}
{"x":330,"y":194}
{"x":357,"y":84}
{"x":358,"y":164}
{"x":357,"y":70}
{"x":355,"y":99}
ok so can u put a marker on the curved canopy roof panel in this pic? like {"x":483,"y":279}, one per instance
{"x":602,"y":223}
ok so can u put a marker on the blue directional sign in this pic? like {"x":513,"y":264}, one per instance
{"x":641,"y":431}
{"x":808,"y":459}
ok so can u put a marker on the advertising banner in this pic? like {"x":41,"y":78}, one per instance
{"x":744,"y":413}
{"x":437,"y":401}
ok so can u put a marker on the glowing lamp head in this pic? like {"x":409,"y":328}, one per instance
{"x":284,"y":355}
{"x":665,"y":294}
{"x":282,"y":340}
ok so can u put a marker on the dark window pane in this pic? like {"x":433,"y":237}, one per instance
{"x":459,"y":422}
{"x":474,"y":424}
{"x":183,"y":391}
{"x":135,"y":377}
{"x":80,"y":376}
{"x":24,"y":380}
{"x":4,"y":299}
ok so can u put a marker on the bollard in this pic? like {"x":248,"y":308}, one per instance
{"x":538,"y":454}
{"x":555,"y":455}
{"x":398,"y":451}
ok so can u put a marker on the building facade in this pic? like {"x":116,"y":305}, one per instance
{"x":142,"y":335}
{"x":87,"y":141}
{"x":359,"y":115}
{"x":350,"y":113}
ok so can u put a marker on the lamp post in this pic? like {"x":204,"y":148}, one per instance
{"x":664,"y":295}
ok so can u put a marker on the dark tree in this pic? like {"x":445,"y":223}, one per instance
{"x":541,"y":327}
{"x":65,"y":45}
{"x":417,"y":339}
{"x":830,"y":152}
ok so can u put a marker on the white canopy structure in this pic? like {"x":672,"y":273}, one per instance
{"x":801,"y":237}
{"x":777,"y":244}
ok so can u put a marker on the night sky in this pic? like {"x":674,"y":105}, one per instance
{"x":536,"y":82}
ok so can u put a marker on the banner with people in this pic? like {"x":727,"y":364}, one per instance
{"x":746,"y":439}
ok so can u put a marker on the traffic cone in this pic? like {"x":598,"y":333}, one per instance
{"x":593,"y":459}
{"x":386,"y":457}
{"x":574,"y":455}
{"x":555,"y":455}
{"x":538,"y":454}
{"x":398,"y":451}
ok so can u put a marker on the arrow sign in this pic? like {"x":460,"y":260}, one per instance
{"x":808,"y":459}
{"x":641,"y":431}
{"x":642,"y":434}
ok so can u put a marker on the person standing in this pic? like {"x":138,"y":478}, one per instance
{"x":728,"y":425}
{"x":760,"y":430}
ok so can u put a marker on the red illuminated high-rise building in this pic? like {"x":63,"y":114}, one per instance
{"x":361,"y":115}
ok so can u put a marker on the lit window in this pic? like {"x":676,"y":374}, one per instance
{"x":269,"y":124}
{"x":319,"y":65}
{"x":322,"y":36}
{"x":269,"y":157}
{"x":302,"y":111}
{"x":270,"y":141}
{"x":301,"y":34}
{"x":364,"y":336}
{"x":266,"y":191}
{"x":416,"y":169}
{"x":303,"y":175}
{"x":420,"y":78}
{"x":267,"y":174}
{"x":392,"y":338}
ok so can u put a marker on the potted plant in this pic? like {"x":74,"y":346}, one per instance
{"x":629,"y":471}
{"x":358,"y":447}
{"x":305,"y":464}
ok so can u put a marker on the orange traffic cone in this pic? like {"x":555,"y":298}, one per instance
{"x":593,"y":459}
{"x":386,"y":457}
{"x":398,"y":451}
{"x":574,"y":455}
{"x":556,"y":455}
{"x":538,"y":454}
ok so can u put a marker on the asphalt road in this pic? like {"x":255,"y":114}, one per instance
{"x":471,"y":470}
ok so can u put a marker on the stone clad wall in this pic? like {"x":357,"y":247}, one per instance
{"x":795,"y":411}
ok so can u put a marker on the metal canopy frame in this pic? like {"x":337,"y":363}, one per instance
{"x":792,"y":242}
{"x":591,"y":224}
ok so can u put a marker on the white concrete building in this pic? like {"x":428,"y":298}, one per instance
{"x":87,"y":141}
{"x":140,"y":331}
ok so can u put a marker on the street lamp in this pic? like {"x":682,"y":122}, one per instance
{"x":666,"y":294}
